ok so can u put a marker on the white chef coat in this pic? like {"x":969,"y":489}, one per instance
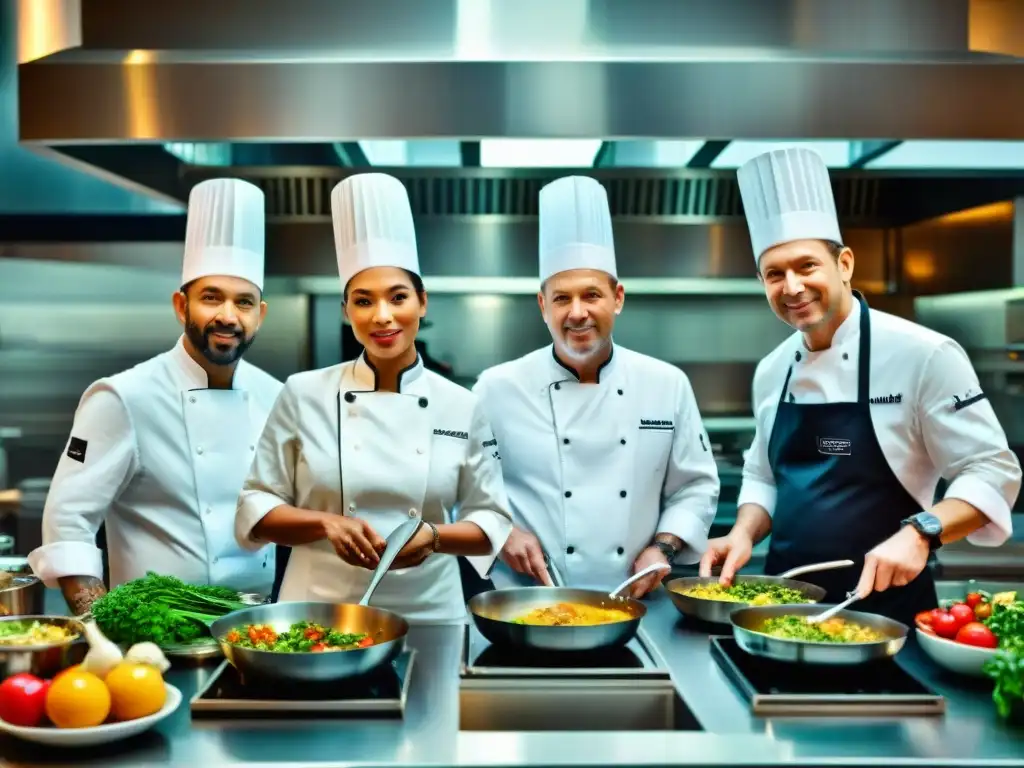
{"x":160,"y":458}
{"x":425,"y":451}
{"x":930,"y":415}
{"x":596,"y":470}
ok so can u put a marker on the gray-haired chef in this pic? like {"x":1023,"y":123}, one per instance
{"x":604,"y":454}
{"x":859,"y":414}
{"x":159,"y":452}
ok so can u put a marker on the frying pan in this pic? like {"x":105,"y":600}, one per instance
{"x":718,"y":611}
{"x":747,"y":621}
{"x":494,"y":614}
{"x":387,"y":629}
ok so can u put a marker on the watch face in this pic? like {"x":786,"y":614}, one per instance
{"x":927,"y":524}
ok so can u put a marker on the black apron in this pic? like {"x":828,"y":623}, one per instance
{"x":837,"y":497}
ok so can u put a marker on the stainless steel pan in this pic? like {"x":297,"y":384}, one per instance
{"x":388,"y":630}
{"x":746,"y":623}
{"x":718,"y":611}
{"x":494,"y":613}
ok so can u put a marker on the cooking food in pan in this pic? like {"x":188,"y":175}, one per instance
{"x":300,"y":637}
{"x":573,"y":615}
{"x":834,"y":630}
{"x":35,"y":633}
{"x":749,"y":592}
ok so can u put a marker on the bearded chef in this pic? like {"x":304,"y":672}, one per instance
{"x":604,"y":454}
{"x":352,"y":451}
{"x":159,"y":452}
{"x":859,"y":414}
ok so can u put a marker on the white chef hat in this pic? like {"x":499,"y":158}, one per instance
{"x":372,"y":225}
{"x":787,"y":196}
{"x":224,"y":234}
{"x":575,"y":227}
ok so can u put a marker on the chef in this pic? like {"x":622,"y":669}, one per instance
{"x":859,"y":414}
{"x":352,"y":451}
{"x":604,"y":454}
{"x":159,"y":452}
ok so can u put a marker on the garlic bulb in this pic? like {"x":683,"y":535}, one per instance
{"x":148,"y":653}
{"x":103,"y":655}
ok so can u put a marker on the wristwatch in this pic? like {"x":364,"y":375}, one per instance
{"x":667,"y":550}
{"x":929,"y":526}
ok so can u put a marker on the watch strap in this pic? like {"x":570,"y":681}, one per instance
{"x":667,"y":550}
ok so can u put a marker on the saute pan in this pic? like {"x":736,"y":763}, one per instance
{"x":494,"y":613}
{"x":718,"y":611}
{"x":388,"y":630}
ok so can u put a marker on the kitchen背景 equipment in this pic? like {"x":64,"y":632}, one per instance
{"x":388,"y":630}
{"x":21,"y":592}
{"x":747,"y":621}
{"x":43,"y":660}
{"x":717,"y":611}
{"x":495,"y":612}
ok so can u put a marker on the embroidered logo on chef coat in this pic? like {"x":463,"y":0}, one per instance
{"x":657,"y":424}
{"x":968,"y":398}
{"x":76,"y":449}
{"x":835,"y":446}
{"x":452,"y":433}
{"x":887,"y":399}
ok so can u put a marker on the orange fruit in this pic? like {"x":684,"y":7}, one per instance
{"x":136,"y":690}
{"x":77,"y":699}
{"x":72,"y":668}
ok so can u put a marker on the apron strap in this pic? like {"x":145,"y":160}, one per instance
{"x":785,"y":385}
{"x":864,"y":358}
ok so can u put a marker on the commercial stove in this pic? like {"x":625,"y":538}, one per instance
{"x":512,"y":689}
{"x":879,"y":688}
{"x":381,"y":693}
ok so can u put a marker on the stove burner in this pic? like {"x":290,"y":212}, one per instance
{"x":779,"y":687}
{"x":612,"y":658}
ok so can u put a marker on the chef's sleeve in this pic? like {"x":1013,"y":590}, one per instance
{"x":271,"y":480}
{"x":757,"y":485}
{"x":691,"y":487}
{"x":482,"y":498}
{"x":97,"y":464}
{"x":966,"y":443}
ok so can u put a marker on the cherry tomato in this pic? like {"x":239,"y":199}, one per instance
{"x":23,"y":699}
{"x":366,"y":642}
{"x":946,"y":625}
{"x":973,"y":599}
{"x":962,"y":613}
{"x":977,"y":634}
{"x":925,"y":618}
{"x":318,"y":647}
{"x":983,"y":611}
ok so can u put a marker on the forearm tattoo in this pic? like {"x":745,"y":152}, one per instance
{"x":80,"y":592}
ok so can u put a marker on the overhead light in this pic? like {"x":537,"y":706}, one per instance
{"x":538,"y":153}
{"x":980,"y":155}
{"x":430,"y":153}
{"x":655,"y":154}
{"x":836,"y":154}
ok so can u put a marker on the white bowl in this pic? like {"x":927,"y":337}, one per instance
{"x":100,"y":734}
{"x":954,"y":656}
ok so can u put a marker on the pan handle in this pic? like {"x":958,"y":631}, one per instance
{"x":814,"y":567}
{"x":639,"y":575}
{"x":398,"y":539}
{"x":556,"y":577}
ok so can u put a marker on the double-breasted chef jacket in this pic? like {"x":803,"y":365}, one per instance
{"x":596,"y":470}
{"x":160,"y":458}
{"x":930,"y":417}
{"x":336,"y":444}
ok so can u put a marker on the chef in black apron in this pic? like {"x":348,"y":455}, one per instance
{"x":833,"y":480}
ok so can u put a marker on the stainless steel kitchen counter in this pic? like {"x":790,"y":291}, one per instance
{"x":429,"y":735}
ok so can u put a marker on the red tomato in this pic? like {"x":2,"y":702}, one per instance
{"x":925,"y":618}
{"x":977,"y":634}
{"x":973,"y":599}
{"x":317,"y":648}
{"x":23,"y":700}
{"x":366,"y":642}
{"x":946,"y":625}
{"x":962,"y":613}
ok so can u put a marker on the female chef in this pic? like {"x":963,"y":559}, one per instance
{"x":350,"y":452}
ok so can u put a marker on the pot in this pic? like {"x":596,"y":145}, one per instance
{"x":43,"y":660}
{"x":23,"y":594}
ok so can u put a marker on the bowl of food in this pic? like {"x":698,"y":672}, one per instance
{"x":708,"y":600}
{"x":962,"y":634}
{"x":77,"y":708}
{"x":40,"y":645}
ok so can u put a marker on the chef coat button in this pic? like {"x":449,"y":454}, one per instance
{"x":846,"y":356}
{"x":622,"y":440}
{"x":351,"y":507}
{"x":412,"y":513}
{"x":423,"y":402}
{"x":199,"y":450}
{"x":798,"y":356}
{"x":557,"y":385}
{"x":620,"y":391}
{"x":568,"y":494}
{"x":565,"y":440}
{"x":620,"y":551}
{"x":349,"y":397}
{"x":252,"y":447}
{"x":419,"y":451}
{"x":622,"y":494}
{"x":192,"y":399}
{"x":570,"y":550}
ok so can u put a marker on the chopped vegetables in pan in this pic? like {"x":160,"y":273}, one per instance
{"x":751,"y":592}
{"x":834,"y":630}
{"x":301,"y":637}
{"x":573,"y":615}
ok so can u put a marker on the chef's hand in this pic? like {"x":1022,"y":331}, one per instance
{"x":648,"y":583}
{"x":522,"y":553}
{"x":895,"y":562}
{"x":732,"y":552}
{"x":354,"y":540}
{"x":419,"y":548}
